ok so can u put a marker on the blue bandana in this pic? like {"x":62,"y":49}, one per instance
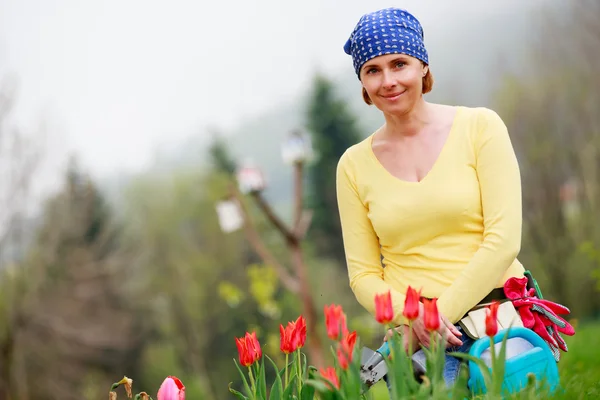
{"x":388,"y":31}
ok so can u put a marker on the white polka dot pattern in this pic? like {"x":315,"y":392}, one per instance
{"x":387,"y":31}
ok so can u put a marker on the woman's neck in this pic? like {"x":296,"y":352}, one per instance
{"x":409,"y":124}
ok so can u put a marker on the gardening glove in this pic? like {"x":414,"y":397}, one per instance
{"x":540,"y":315}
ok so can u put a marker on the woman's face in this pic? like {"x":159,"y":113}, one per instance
{"x":394,"y":82}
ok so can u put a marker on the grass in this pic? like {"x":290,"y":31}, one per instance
{"x":579,"y":367}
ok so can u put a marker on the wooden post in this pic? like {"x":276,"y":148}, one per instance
{"x":296,"y":280}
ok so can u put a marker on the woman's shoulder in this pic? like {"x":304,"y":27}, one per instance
{"x":358,"y":152}
{"x":479,"y":114}
{"x":473,"y":112}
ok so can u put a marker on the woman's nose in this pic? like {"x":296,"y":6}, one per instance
{"x":389,"y":80}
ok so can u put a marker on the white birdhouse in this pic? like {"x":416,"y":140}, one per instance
{"x":230,"y":215}
{"x":250,"y":179}
{"x":297,"y":148}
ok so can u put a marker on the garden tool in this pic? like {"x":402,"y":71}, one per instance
{"x":372,"y":365}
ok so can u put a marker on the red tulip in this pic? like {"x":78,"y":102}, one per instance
{"x":431,"y":316}
{"x":345,"y":350}
{"x":249,"y":349}
{"x":330,"y":375}
{"x":384,"y":312}
{"x":171,"y":389}
{"x":411,"y":304}
{"x":286,"y":338}
{"x":253,"y":346}
{"x":491,"y":319}
{"x":299,"y":333}
{"x":335,"y":321}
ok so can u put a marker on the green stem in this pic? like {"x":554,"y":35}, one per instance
{"x":433,"y":349}
{"x":286,"y":369}
{"x":492,"y":349}
{"x":410,"y":349}
{"x":494,"y":373}
{"x":253,"y":385}
{"x":299,"y":373}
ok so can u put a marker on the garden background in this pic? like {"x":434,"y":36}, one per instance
{"x":122,"y":127}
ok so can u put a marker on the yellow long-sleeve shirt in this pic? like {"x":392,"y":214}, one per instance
{"x":455,"y":234}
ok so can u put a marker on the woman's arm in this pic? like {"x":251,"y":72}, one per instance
{"x":500,"y":185}
{"x":363,"y":256}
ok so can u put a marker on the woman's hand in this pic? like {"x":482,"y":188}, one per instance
{"x":447,"y":330}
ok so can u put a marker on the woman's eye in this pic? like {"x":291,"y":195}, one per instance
{"x":371,"y":71}
{"x":400,"y":64}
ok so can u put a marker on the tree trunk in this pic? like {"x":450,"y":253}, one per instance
{"x":6,"y":355}
{"x":315,"y":346}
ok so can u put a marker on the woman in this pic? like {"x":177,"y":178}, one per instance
{"x":432,"y":199}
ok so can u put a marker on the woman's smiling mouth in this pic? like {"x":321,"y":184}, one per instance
{"x":393,"y":96}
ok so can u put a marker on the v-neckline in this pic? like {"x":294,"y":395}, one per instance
{"x":436,"y":162}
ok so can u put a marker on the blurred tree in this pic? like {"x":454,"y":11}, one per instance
{"x":194,"y":278}
{"x":333,"y":129}
{"x":20,"y":155}
{"x":551,"y":112}
{"x":221,"y":159}
{"x":78,"y":312}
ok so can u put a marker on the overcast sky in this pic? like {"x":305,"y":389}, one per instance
{"x":119,"y":79}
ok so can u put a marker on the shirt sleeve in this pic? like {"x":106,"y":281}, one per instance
{"x":500,"y":186}
{"x":363,"y":256}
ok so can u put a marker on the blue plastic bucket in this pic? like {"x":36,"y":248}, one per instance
{"x":537,"y":360}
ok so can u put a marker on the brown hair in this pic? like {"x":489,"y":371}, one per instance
{"x":427,"y":86}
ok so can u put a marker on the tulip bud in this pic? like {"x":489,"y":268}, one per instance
{"x":286,"y":338}
{"x":384,"y":311}
{"x":411,"y":304}
{"x":491,"y":319}
{"x":335,"y":321}
{"x":171,"y":389}
{"x":299,"y":334}
{"x":431,"y":316}
{"x":331,"y":376}
{"x":345,"y":350}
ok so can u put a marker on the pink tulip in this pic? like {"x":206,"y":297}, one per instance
{"x":171,"y":389}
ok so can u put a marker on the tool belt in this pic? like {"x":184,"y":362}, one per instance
{"x":473,"y":323}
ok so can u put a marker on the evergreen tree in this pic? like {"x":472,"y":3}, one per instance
{"x":80,"y":315}
{"x":333,"y":130}
{"x":220,"y":157}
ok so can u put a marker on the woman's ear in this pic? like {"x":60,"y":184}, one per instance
{"x":425,"y":69}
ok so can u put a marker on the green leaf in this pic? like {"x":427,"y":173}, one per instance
{"x":261,"y":381}
{"x":277,"y":387}
{"x":353,"y":382}
{"x":282,"y":371}
{"x":243,"y":378}
{"x":498,"y":367}
{"x":304,"y":364}
{"x":485,"y":370}
{"x":289,"y":390}
{"x":308,"y":392}
{"x":399,"y":368}
{"x":460,"y":389}
{"x":319,"y":386}
{"x":238,"y":394}
{"x":326,"y":392}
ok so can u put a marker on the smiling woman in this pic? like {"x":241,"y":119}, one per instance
{"x":431,"y":199}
